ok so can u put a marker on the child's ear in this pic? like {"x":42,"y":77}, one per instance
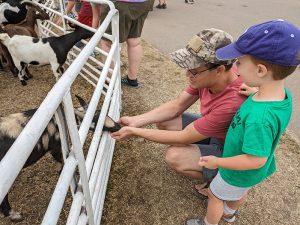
{"x":261,"y":70}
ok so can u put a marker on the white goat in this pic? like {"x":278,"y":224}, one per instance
{"x":42,"y":51}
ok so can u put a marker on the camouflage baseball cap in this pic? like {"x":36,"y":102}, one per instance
{"x":201,"y":49}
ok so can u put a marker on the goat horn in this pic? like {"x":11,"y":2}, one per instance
{"x":27,"y":2}
{"x":31,"y":4}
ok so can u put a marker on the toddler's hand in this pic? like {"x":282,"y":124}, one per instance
{"x":246,"y":90}
{"x":209,"y":162}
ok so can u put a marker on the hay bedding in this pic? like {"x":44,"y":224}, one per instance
{"x":141,"y":189}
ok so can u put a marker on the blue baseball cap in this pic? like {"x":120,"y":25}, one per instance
{"x":276,"y":41}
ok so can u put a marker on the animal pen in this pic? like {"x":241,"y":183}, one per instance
{"x":86,"y":177}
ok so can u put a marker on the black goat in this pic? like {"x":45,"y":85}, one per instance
{"x":10,"y":128}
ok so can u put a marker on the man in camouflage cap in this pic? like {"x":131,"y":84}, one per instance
{"x":216,"y":84}
{"x":201,"y":49}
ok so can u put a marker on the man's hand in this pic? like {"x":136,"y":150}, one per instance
{"x":209,"y":162}
{"x":246,"y":90}
{"x":128,"y":121}
{"x":123,"y":133}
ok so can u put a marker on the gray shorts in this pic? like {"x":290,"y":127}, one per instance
{"x":209,"y":146}
{"x":226,"y":192}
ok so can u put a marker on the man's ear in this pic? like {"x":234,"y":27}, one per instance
{"x":261,"y":70}
{"x":220,"y":69}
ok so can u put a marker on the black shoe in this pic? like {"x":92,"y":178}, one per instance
{"x":159,"y":6}
{"x":164,"y":6}
{"x":129,"y":82}
{"x":189,"y":1}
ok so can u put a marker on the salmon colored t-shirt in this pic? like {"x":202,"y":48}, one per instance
{"x":217,"y":110}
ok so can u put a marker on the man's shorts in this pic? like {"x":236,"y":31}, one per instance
{"x":132,"y":16}
{"x":226,"y":192}
{"x":209,"y":146}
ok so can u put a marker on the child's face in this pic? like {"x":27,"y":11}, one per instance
{"x":249,"y":71}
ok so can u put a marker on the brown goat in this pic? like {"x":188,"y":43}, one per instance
{"x":26,"y":27}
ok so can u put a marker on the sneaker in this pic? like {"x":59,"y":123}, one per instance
{"x":164,"y":6}
{"x":196,"y":221}
{"x":231,"y":218}
{"x":72,"y":15}
{"x":189,"y":1}
{"x":159,"y":6}
{"x":95,"y":53}
{"x":129,"y":82}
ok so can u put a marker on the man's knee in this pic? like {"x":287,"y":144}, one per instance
{"x":172,"y":157}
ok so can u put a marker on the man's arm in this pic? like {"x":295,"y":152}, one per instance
{"x":187,"y":136}
{"x":239,"y":162}
{"x":164,"y":112}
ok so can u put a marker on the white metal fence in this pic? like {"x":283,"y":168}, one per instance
{"x":88,"y":192}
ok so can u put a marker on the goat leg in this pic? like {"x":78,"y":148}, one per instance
{"x":14,"y":71}
{"x":23,"y":68}
{"x":20,"y":75}
{"x":6,"y":209}
{"x":3,"y":58}
{"x":1,"y":66}
{"x":5,"y":206}
{"x":29,"y":75}
{"x":10,"y":63}
{"x":58,"y":70}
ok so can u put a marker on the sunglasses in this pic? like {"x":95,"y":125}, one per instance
{"x":195,"y":74}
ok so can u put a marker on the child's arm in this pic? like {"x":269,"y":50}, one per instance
{"x":239,"y":162}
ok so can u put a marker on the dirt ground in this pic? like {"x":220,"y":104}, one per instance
{"x":142,"y":189}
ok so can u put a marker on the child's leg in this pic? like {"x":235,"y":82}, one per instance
{"x":230,"y":208}
{"x":214,"y":209}
{"x":235,"y":205}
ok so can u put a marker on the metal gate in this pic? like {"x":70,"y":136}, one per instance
{"x":88,"y":192}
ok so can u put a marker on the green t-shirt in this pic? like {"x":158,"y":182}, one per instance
{"x":255,"y":130}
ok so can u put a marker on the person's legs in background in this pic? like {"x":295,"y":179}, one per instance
{"x":96,"y":9}
{"x":135,"y":53}
{"x":162,"y":4}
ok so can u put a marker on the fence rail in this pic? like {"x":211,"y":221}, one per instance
{"x":88,"y":192}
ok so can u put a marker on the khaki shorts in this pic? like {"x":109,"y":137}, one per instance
{"x":209,"y":146}
{"x":132,"y":16}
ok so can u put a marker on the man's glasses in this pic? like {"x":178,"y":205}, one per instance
{"x":198,"y":73}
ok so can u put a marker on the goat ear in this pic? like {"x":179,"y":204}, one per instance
{"x":81,"y":101}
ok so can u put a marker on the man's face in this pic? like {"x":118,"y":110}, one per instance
{"x":248,"y":71}
{"x":201,"y":77}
